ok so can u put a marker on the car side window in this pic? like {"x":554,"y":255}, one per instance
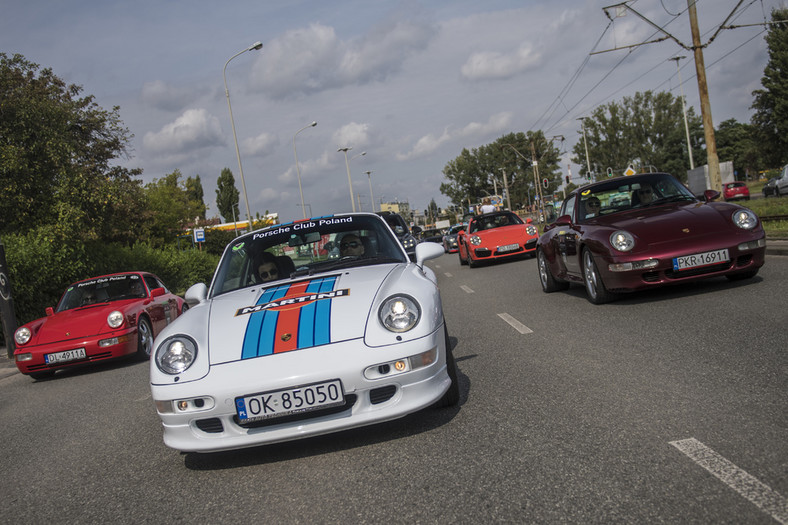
{"x":568,"y":207}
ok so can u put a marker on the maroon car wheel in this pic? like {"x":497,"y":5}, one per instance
{"x":549,"y":283}
{"x":595,"y":289}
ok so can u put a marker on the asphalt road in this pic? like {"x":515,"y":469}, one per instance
{"x":666,"y":406}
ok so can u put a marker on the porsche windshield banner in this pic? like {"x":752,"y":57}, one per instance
{"x":290,"y":317}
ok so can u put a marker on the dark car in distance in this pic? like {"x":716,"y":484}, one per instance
{"x":400,"y":228}
{"x":664,"y":235}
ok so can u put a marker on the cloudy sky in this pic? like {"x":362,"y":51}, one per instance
{"x":410,"y":83}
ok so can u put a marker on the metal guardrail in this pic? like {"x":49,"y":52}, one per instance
{"x":774,"y":218}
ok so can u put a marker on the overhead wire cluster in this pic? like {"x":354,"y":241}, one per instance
{"x":551,"y":118}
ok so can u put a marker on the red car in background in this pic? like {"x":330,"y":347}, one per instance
{"x":494,"y":236}
{"x":735,"y":190}
{"x":645,"y":231}
{"x":97,"y":319}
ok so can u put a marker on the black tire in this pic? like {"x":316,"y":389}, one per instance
{"x":596,"y":291}
{"x":471,"y":262}
{"x":742,"y":276}
{"x":549,"y":283}
{"x":144,"y":338}
{"x":38,"y":376}
{"x":452,"y":395}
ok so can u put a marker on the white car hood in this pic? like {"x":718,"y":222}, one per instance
{"x":290,"y":315}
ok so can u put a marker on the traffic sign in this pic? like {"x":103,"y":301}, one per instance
{"x":630,"y":170}
{"x":199,"y":235}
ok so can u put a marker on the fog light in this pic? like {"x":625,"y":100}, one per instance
{"x":399,"y":366}
{"x":164,"y":407}
{"x":23,"y":357}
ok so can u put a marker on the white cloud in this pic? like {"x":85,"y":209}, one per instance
{"x":427,"y":144}
{"x":260,"y":146}
{"x":352,"y":135}
{"x":194,"y":129}
{"x":313,"y":59}
{"x":494,"y":65}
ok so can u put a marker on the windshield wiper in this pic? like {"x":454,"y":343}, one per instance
{"x":672,"y":198}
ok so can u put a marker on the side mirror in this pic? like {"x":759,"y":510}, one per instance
{"x":50,"y":311}
{"x":157,"y":292}
{"x":416,"y":229}
{"x":196,"y":294}
{"x":529,"y":221}
{"x":710,"y":195}
{"x":426,"y":251}
{"x":564,"y":220}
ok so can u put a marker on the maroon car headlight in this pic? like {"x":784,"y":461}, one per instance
{"x":476,"y":240}
{"x":115,"y":319}
{"x":176,"y":354}
{"x":745,"y":219}
{"x":399,"y":313}
{"x":531,"y":230}
{"x":22,"y":335}
{"x":622,"y":241}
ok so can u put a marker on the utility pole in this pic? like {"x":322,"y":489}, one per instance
{"x":713,"y":160}
{"x":684,"y":109}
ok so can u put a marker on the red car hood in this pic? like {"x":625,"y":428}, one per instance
{"x":72,"y":324}
{"x":663,"y":223}
{"x":503,"y":234}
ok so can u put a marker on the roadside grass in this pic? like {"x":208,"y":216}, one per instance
{"x":768,"y":207}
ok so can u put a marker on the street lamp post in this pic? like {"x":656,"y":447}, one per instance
{"x":506,"y":188}
{"x":347,"y":165}
{"x":588,"y":162}
{"x":684,"y":109}
{"x":298,"y":170}
{"x":256,"y":46}
{"x":371,"y":197}
{"x":310,"y":209}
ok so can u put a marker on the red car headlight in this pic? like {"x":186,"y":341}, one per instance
{"x":115,"y":319}
{"x":22,"y":336}
{"x":476,"y":240}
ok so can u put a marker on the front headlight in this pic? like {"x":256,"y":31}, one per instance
{"x":622,"y":241}
{"x":476,"y":240}
{"x":745,"y":219}
{"x":115,"y":319}
{"x":531,"y":230}
{"x":176,"y":354}
{"x":399,"y":313}
{"x":22,"y":335}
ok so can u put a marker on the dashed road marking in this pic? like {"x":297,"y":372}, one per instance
{"x":760,"y":494}
{"x":465,"y":289}
{"x":447,"y":274}
{"x":514,"y":323}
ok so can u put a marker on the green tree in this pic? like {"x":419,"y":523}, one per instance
{"x":736,"y":143}
{"x":771,"y":103}
{"x":645,"y":131}
{"x":227,"y":196}
{"x":56,"y":150}
{"x":478,"y":172}
{"x":171,"y":209}
{"x":195,"y":194}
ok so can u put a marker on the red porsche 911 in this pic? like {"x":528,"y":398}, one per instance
{"x":97,"y":319}
{"x":642,"y":231}
{"x":494,"y":236}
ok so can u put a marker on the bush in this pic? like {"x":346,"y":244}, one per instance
{"x":41,"y":266}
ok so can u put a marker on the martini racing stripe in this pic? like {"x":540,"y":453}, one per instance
{"x":291,"y":326}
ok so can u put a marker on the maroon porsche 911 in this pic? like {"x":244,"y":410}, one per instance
{"x":642,"y":231}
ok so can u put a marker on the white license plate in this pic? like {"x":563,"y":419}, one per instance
{"x":290,"y":401}
{"x":508,"y":248}
{"x":68,"y":355}
{"x":686,"y":262}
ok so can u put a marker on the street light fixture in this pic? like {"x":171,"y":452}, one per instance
{"x":347,"y":165}
{"x":254,"y":47}
{"x":371,"y":197}
{"x":298,"y":170}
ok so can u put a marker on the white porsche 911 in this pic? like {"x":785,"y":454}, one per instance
{"x":307,"y":328}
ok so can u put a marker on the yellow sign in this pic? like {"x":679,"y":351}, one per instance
{"x":630,"y":171}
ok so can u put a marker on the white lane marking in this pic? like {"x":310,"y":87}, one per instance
{"x":466,"y":289}
{"x":447,"y":274}
{"x":760,"y":494}
{"x":517,"y":325}
{"x":143,"y":398}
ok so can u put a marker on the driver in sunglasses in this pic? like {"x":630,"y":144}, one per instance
{"x":266,"y":268}
{"x":351,"y":245}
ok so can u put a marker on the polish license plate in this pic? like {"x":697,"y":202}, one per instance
{"x":68,"y":355}
{"x":290,"y":401}
{"x":685,"y":262}
{"x":508,"y":248}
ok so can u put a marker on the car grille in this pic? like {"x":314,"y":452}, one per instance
{"x":350,"y":400}
{"x":482,"y":252}
{"x":382,"y":394}
{"x":212,"y":425}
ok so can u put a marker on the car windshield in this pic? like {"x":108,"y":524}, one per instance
{"x":304,"y":248}
{"x":102,"y":290}
{"x":627,"y":194}
{"x":494,"y":220}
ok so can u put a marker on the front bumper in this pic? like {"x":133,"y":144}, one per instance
{"x":126,"y":345}
{"x":663,"y":273}
{"x":215,"y":427}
